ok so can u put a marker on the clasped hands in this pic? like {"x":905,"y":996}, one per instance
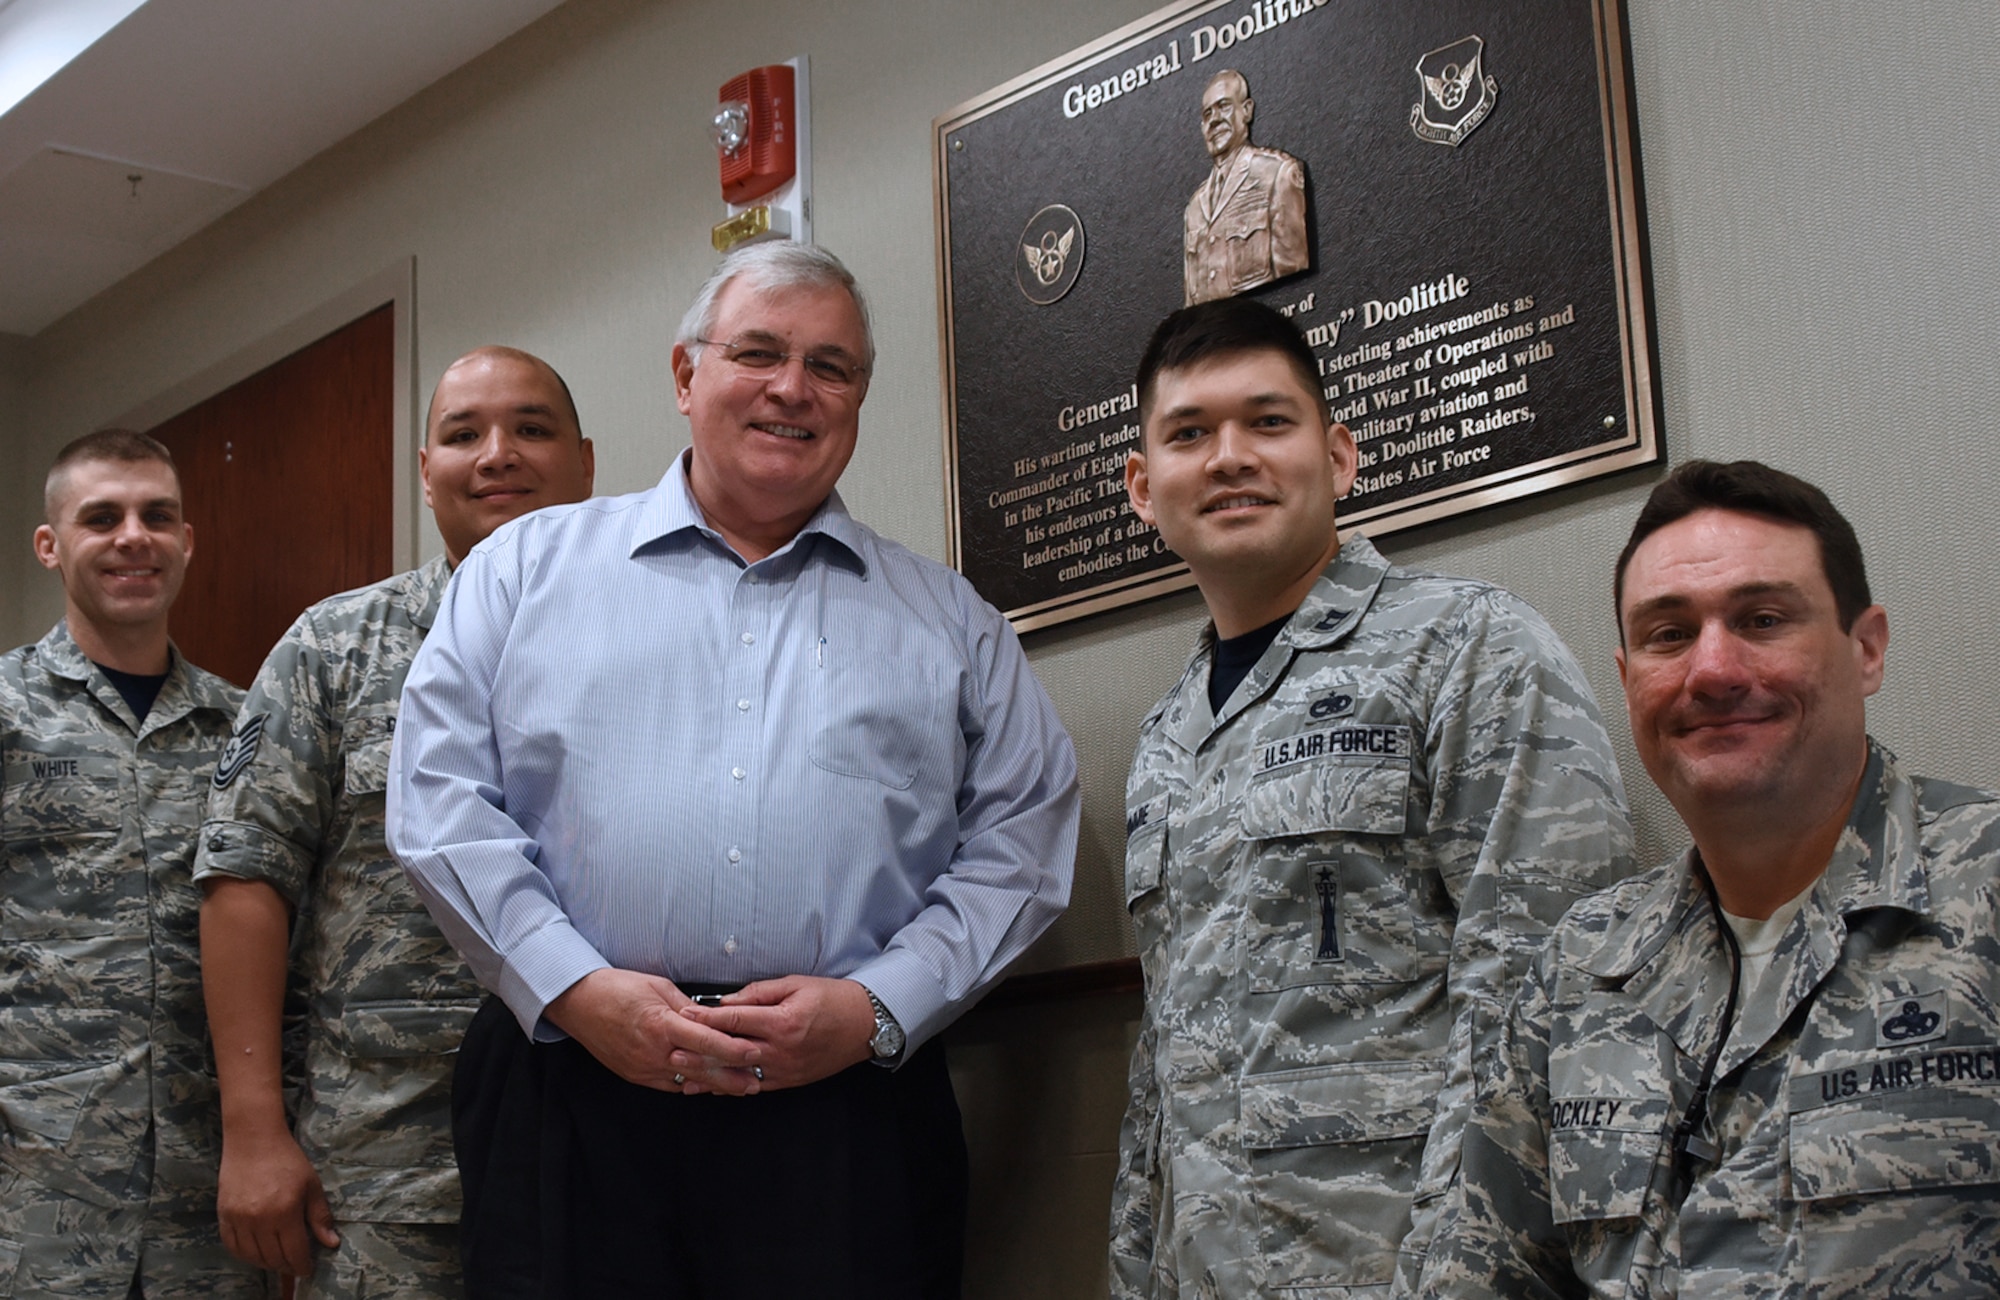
{"x":779,"y":1033}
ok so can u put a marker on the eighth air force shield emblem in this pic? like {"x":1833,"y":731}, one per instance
{"x":1457,"y":94}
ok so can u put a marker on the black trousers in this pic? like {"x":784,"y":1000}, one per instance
{"x":581,"y":1186}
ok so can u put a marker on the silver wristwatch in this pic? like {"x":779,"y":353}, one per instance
{"x":887,"y":1044}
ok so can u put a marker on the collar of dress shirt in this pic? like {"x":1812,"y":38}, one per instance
{"x":672,"y":509}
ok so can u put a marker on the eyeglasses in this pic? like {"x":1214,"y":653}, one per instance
{"x":831,"y":371}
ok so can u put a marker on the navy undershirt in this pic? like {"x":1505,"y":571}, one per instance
{"x":139,"y":689}
{"x":1234,"y":658}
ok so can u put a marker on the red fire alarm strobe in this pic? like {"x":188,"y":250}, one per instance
{"x":756,"y":132}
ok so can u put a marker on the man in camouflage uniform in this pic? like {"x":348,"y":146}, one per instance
{"x":108,"y":1132}
{"x":1350,"y":822}
{"x":294,"y":837}
{"x":1768,"y":1069}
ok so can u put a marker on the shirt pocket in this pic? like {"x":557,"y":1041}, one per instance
{"x":882,"y":722}
{"x":1903,"y":1172}
{"x":365,"y":742}
{"x":387,"y":1102}
{"x":1249,"y":245}
{"x":41,"y":1101}
{"x":1357,"y":792}
{"x":1329,"y":897}
{"x":1145,"y":850}
{"x":386,"y":1030}
{"x":1145,"y":882}
{"x":1942,"y":1132}
{"x":1604,"y":1155}
{"x":1349,"y":1135}
{"x":60,"y":821}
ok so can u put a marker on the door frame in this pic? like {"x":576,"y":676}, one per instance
{"x":395,"y":284}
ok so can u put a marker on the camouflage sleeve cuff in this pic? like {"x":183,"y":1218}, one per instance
{"x":240,"y":851}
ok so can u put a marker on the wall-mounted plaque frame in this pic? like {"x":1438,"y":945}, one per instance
{"x":1444,"y":195}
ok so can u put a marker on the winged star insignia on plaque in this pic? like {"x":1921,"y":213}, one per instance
{"x":1457,"y":94}
{"x":1051,"y":254}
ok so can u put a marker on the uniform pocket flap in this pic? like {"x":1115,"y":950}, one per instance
{"x":1362,"y":1101}
{"x":375,"y":1029}
{"x":1354,"y":778}
{"x":365,"y":743}
{"x":1904,"y":1124}
{"x":46,"y":1098}
{"x":1145,"y":848}
{"x":1602,"y":1152}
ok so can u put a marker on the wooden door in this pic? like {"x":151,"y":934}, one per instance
{"x":287,"y":479}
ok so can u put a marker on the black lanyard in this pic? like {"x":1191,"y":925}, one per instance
{"x":1690,"y":1147}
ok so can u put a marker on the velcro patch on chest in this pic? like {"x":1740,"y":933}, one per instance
{"x":1146,"y":814}
{"x":53,"y":771}
{"x":1899,"y":1022}
{"x":1364,"y":741}
{"x":1585,"y":1112}
{"x":1938,"y":1068}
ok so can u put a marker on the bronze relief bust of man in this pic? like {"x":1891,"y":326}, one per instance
{"x":1246,"y":224}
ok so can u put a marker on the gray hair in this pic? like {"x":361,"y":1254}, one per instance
{"x":774,"y":264}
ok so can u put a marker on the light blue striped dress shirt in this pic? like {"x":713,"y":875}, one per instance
{"x":622,"y":746}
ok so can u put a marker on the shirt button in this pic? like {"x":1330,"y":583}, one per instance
{"x":737,"y":772}
{"x":743,"y":706}
{"x":736,"y":855}
{"x":217,"y":844}
{"x":729,"y":945}
{"x":748,"y":639}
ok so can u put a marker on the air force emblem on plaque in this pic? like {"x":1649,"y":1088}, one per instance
{"x":1457,"y":92}
{"x":1052,"y":254}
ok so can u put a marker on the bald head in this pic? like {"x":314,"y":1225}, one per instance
{"x":495,"y":352}
{"x":502,"y":439}
{"x":1232,"y":80}
{"x":1226,"y":110}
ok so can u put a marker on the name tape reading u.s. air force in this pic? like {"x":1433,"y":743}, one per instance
{"x":1336,"y":742}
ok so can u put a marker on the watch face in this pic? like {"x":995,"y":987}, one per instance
{"x":888,"y":1040}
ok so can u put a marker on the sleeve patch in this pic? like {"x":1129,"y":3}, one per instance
{"x":236,"y":755}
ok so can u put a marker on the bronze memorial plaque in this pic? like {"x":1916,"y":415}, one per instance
{"x":1445,"y":196}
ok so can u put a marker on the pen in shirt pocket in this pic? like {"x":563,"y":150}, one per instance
{"x":819,"y":653}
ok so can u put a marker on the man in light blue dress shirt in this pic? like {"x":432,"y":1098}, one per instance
{"x":718,"y":740}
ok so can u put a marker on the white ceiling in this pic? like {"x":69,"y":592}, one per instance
{"x":205,"y":102}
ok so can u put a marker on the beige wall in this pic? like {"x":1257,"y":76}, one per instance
{"x":1821,"y":174}
{"x":17,"y":516}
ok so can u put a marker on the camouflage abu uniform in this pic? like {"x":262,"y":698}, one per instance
{"x":1857,"y":1102}
{"x":107,"y":1095}
{"x":387,"y":998}
{"x":1336,"y":886}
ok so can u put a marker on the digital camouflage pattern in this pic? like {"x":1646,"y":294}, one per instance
{"x":1336,"y":887}
{"x":1856,"y":1114}
{"x":387,"y":1261}
{"x":299,"y":803}
{"x":107,"y":1092}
